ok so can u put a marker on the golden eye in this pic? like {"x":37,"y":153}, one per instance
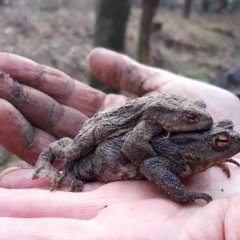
{"x":222,"y":141}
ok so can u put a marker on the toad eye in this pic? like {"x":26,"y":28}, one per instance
{"x":221,"y":142}
{"x":190,"y":116}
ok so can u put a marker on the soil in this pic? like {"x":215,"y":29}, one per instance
{"x":60,"y":33}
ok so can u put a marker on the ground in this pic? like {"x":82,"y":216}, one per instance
{"x":60,"y":33}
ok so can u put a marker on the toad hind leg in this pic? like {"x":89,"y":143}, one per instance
{"x":157,"y":170}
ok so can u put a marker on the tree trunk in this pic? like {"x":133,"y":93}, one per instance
{"x":205,"y":5}
{"x":223,"y":5}
{"x":148,"y":11}
{"x":110,"y":29}
{"x":187,"y":8}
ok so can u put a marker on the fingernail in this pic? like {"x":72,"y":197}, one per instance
{"x":8,"y":171}
{"x":9,"y":176}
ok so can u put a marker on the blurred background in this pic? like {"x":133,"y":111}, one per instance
{"x":196,"y":38}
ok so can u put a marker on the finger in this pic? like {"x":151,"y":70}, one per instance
{"x":19,"y":178}
{"x":41,"y":110}
{"x":18,"y":136}
{"x":49,"y":229}
{"x":82,"y":205}
{"x":43,"y":203}
{"x":119,"y":71}
{"x":53,"y":82}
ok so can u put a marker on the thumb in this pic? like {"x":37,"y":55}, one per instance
{"x":119,"y":71}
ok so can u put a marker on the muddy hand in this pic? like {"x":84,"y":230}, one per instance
{"x":40,"y":104}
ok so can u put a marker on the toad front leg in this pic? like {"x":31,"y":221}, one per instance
{"x":225,"y":168}
{"x":136,"y":145}
{"x":157,"y":170}
{"x":45,"y":160}
{"x":44,"y":167}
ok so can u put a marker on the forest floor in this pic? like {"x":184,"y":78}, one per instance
{"x":60,"y":33}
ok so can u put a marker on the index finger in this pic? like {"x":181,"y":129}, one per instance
{"x":53,"y":82}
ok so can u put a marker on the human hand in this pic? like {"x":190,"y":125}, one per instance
{"x":117,"y":210}
{"x":44,"y":104}
{"x":119,"y":71}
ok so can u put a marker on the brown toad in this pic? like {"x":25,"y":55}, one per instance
{"x":179,"y":156}
{"x":138,"y":120}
